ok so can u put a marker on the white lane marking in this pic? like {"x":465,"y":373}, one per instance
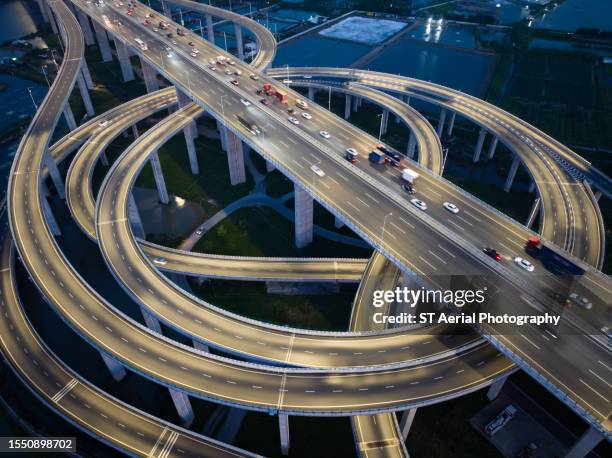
{"x":436,"y":256}
{"x":428,"y":263}
{"x":65,"y":390}
{"x":593,"y":390}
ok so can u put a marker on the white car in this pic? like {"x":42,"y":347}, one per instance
{"x":103,"y":123}
{"x":193,"y":54}
{"x":524,"y":264}
{"x":168,"y":54}
{"x":324,"y":134}
{"x":195,"y":50}
{"x":245,"y":102}
{"x":160,"y":261}
{"x":451,"y":207}
{"x":167,"y":48}
{"x":173,"y":42}
{"x":293,"y":120}
{"x":317,"y":170}
{"x":306,"y":115}
{"x":307,"y":77}
{"x":212,"y":61}
{"x":199,"y":232}
{"x":237,"y":72}
{"x":580,"y":301}
{"x":419,"y":204}
{"x":228,"y":72}
{"x":155,"y":30}
{"x":253,"y":76}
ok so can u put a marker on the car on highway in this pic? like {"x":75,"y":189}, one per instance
{"x":580,"y":301}
{"x":307,"y":77}
{"x":160,"y":261}
{"x":191,"y":43}
{"x":146,"y":22}
{"x":195,"y":50}
{"x":155,"y":30}
{"x":254,"y":77}
{"x":168,"y":54}
{"x":317,"y":170}
{"x":193,"y":54}
{"x":409,"y":188}
{"x":293,"y":120}
{"x":291,"y":111}
{"x":212,"y":67}
{"x":524,"y":264}
{"x":103,"y":123}
{"x":180,"y":33}
{"x":212,"y":61}
{"x":492,"y":253}
{"x":199,"y":232}
{"x":606,"y":331}
{"x":324,"y":134}
{"x":149,"y":15}
{"x":234,"y":82}
{"x":306,"y":115}
{"x":264,"y":102}
{"x":237,"y":72}
{"x":173,"y":42}
{"x":231,"y":62}
{"x":245,"y":102}
{"x":451,"y":207}
{"x":419,"y":204}
{"x":351,"y":155}
{"x":227,"y":71}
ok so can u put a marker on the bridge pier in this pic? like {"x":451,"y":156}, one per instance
{"x":535,"y":209}
{"x":270,"y":167}
{"x":347,"y":106}
{"x":69,"y":116}
{"x":598,"y":195}
{"x":585,"y":444}
{"x":167,"y":10}
{"x":183,"y":407}
{"x":135,"y":133}
{"x":338,"y":223}
{"x":124,"y":61}
{"x":441,"y":121}
{"x":88,"y":35}
{"x":200,"y":346}
{"x":135,"y":221}
{"x":303,"y":217}
{"x":283,"y":426}
{"x":496,"y":388}
{"x":103,"y":158}
{"x":103,"y":44}
{"x":184,"y":100}
{"x":239,"y":43}
{"x":158,"y":174}
{"x":411,"y":145}
{"x":492,"y":148}
{"x":479,"y":143}
{"x":532,"y":187}
{"x":49,"y":217}
{"x":210,"y":31}
{"x":222,"y":135}
{"x":54,"y":173}
{"x":86,"y":74}
{"x":150,"y":76}
{"x":511,"y":174}
{"x":384,"y":121}
{"x":85,"y":95}
{"x":115,"y":368}
{"x":235,"y":158}
{"x":451,"y":123}
{"x":311,"y":93}
{"x":355,"y":103}
{"x":406,"y":422}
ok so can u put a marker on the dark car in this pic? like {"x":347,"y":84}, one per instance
{"x":265,"y":101}
{"x":492,"y":253}
{"x":408,"y":188}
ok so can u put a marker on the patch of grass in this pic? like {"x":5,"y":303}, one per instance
{"x":324,"y":312}
{"x":260,"y":231}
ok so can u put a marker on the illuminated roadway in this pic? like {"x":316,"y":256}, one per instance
{"x":145,"y":337}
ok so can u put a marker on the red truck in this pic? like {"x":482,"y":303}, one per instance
{"x":280,"y":95}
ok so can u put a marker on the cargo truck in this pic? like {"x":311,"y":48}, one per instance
{"x":376,"y":158}
{"x":280,"y":95}
{"x":410,"y":176}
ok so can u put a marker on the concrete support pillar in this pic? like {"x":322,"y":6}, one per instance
{"x":182,"y":101}
{"x":495,"y":388}
{"x":51,"y":18}
{"x":103,"y":44}
{"x":384,"y":121}
{"x":270,"y":167}
{"x":114,"y":367}
{"x":103,"y":158}
{"x":69,"y":116}
{"x":88,"y":35}
{"x":124,"y":61}
{"x":598,"y":195}
{"x":183,"y":407}
{"x":311,"y":93}
{"x":355,"y":103}
{"x":43,"y":12}
{"x":359,"y":101}
{"x":451,"y":123}
{"x":134,"y":217}
{"x":235,"y":159}
{"x":283,"y":426}
{"x":54,"y":173}
{"x":338,"y":223}
{"x":406,"y":422}
{"x":222,"y":135}
{"x":511,"y":174}
{"x":151,"y":322}
{"x":86,"y":74}
{"x":210,"y":31}
{"x":441,"y":121}
{"x":535,"y":209}
{"x":303,"y":217}
{"x":479,"y":143}
{"x":411,"y":145}
{"x":158,"y":174}
{"x":587,"y":442}
{"x":50,"y":218}
{"x":85,"y":95}
{"x":135,"y":133}
{"x":166,"y":9}
{"x":239,"y":43}
{"x":407,"y":99}
{"x":150,"y":76}
{"x":532,"y":187}
{"x":200,"y":346}
{"x":191,"y":152}
{"x":347,"y":106}
{"x":492,"y":148}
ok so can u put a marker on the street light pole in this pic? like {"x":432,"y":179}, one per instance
{"x":381,"y":116}
{"x":382,"y":237}
{"x":45,"y":73}
{"x":329,"y":100}
{"x":225,"y":38}
{"x":32,"y":97}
